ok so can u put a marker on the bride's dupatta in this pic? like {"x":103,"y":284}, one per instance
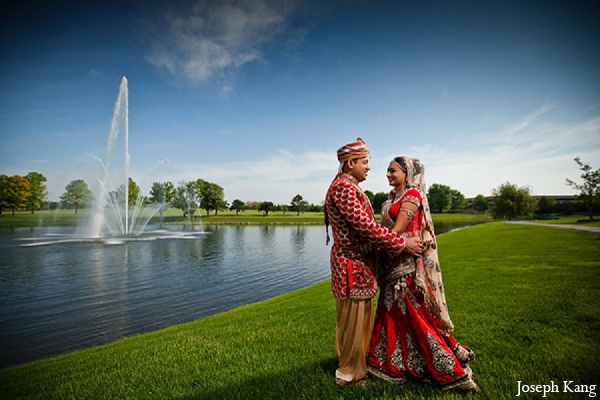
{"x":429,"y":274}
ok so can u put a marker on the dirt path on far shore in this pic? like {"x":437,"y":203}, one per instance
{"x":580,"y":227}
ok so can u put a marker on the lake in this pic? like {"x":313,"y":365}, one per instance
{"x":66,"y":296}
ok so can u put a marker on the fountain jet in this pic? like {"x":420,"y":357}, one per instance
{"x":110,"y":213}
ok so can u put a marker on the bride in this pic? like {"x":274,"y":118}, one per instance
{"x":412,"y":331}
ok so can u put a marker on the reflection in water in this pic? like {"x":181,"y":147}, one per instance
{"x":67,"y":296}
{"x":298,"y":239}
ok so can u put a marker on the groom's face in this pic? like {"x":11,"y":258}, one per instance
{"x":359,"y":168}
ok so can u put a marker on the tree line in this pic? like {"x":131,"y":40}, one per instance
{"x":20,"y":192}
{"x":200,"y":194}
{"x":442,"y":198}
{"x":30,"y":192}
{"x":508,"y":200}
{"x":511,"y":201}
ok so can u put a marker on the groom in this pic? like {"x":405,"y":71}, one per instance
{"x":355,"y":236}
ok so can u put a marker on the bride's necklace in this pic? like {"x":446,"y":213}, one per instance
{"x":400,"y":193}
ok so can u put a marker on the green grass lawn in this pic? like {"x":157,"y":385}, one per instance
{"x":257,"y":217}
{"x":40,"y":218}
{"x":525,"y":298}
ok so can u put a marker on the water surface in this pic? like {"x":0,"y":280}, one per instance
{"x":66,"y":296}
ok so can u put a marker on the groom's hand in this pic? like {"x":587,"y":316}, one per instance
{"x":414,"y":246}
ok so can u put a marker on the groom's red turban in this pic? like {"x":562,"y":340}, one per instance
{"x":353,"y":150}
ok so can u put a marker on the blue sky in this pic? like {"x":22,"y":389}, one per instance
{"x":258,"y":95}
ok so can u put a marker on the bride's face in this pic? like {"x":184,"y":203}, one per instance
{"x":395,"y":175}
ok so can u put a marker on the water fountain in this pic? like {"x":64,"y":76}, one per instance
{"x":112,"y":219}
{"x":108,"y":212}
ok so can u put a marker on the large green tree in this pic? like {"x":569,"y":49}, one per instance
{"x":439,"y":197}
{"x":15,"y":192}
{"x":238,"y":206}
{"x":545,"y":206}
{"x":298,"y":204}
{"x":480,"y":203}
{"x":161,"y":194}
{"x":212,"y":196}
{"x":134,"y":192}
{"x":37,"y":190}
{"x":511,"y":201}
{"x":458,"y":201}
{"x":3,"y":186}
{"x":379,"y":199}
{"x":589,"y":190}
{"x":221,"y":204}
{"x":187,"y":198}
{"x":266,"y":206}
{"x":77,"y":194}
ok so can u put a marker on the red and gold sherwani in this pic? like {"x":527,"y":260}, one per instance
{"x":355,"y":235}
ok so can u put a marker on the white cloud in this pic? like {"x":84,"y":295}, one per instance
{"x":536,"y":151}
{"x":205,"y":38}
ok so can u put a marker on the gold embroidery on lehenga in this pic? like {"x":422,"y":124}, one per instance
{"x":402,"y":304}
{"x":380,"y":350}
{"x":442,"y":360}
{"x":413,"y":299}
{"x":388,"y":298}
{"x":397,"y":360}
{"x":404,"y":266}
{"x":414,"y":360}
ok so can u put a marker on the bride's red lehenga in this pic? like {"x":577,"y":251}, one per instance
{"x":411,"y":335}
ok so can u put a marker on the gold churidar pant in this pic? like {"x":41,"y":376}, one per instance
{"x":352,"y":335}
